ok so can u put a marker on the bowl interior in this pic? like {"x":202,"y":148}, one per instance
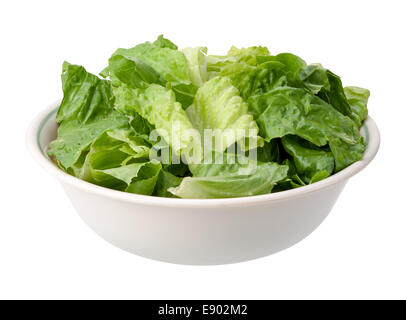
{"x":47,"y":131}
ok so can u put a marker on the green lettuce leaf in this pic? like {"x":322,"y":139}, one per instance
{"x":85,"y":112}
{"x":197,"y":64}
{"x":319,"y":176}
{"x":137,"y":178}
{"x":166,"y":180}
{"x":85,"y":96}
{"x":295,"y":111}
{"x":114,"y":148}
{"x":358,"y":99}
{"x":230,"y":180}
{"x":131,"y":71}
{"x":346,"y":153}
{"x":269,"y":152}
{"x":327,"y":86}
{"x":119,"y":159}
{"x":218,"y":106}
{"x":293,"y":66}
{"x":147,"y":177}
{"x":272,"y":72}
{"x":178,"y":169}
{"x":248,"y":56}
{"x":159,"y":107}
{"x":292,"y":179}
{"x":219,"y":163}
{"x":165,"y":43}
{"x":147,"y":63}
{"x":310,"y":160}
{"x":141,"y":126}
{"x":252,"y":81}
{"x":314,"y":78}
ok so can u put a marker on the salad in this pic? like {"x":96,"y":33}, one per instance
{"x":166,"y":122}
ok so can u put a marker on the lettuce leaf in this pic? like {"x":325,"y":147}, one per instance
{"x":253,"y":81}
{"x":147,"y":176}
{"x":164,"y":43}
{"x":357,"y":99}
{"x":328,"y":87}
{"x":310,"y":160}
{"x":248,"y":56}
{"x":230,"y":180}
{"x":166,"y":180}
{"x":141,"y":126}
{"x":293,"y":111}
{"x":85,"y":112}
{"x":119,"y":159}
{"x":271,"y":72}
{"x":314,"y":77}
{"x":86,"y":97}
{"x":159,"y":62}
{"x":270,"y":151}
{"x":159,"y":107}
{"x":293,"y":65}
{"x":219,"y":107}
{"x":132,"y":71}
{"x":169,"y":63}
{"x":197,"y":64}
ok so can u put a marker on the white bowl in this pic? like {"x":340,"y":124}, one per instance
{"x":196,"y":231}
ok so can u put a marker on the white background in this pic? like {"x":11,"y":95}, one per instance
{"x":46,"y":251}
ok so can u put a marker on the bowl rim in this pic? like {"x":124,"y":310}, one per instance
{"x":33,"y":143}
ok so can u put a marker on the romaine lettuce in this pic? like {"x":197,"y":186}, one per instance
{"x":275,"y":122}
{"x":292,"y":111}
{"x":85,"y":112}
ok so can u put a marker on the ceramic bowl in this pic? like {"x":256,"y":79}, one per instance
{"x":198,"y":231}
